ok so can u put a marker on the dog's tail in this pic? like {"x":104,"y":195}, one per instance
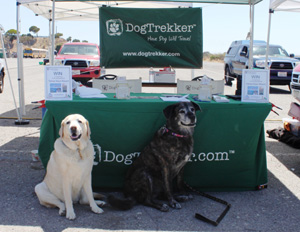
{"x":122,"y":204}
{"x":99,"y":196}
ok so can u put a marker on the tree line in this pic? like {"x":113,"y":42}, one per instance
{"x":28,"y":39}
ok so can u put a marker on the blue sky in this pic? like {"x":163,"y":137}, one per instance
{"x":221,"y":25}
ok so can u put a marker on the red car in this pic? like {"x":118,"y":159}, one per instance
{"x":84,"y":59}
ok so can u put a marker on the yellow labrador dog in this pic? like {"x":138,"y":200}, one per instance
{"x":68,"y":177}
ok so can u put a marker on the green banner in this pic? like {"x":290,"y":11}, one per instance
{"x":131,"y":37}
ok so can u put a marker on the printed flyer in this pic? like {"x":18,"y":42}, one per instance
{"x":255,"y":85}
{"x":58,"y":83}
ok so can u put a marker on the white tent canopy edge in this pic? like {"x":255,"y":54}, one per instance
{"x":285,"y":5}
{"x":279,"y":5}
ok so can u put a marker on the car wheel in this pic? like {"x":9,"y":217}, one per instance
{"x":1,"y":82}
{"x":227,"y":77}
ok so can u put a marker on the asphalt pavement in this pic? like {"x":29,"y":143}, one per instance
{"x":275,"y":208}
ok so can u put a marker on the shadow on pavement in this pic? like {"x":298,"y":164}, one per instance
{"x":288,"y":156}
{"x":21,"y":144}
{"x":8,"y":118}
{"x":277,"y":90}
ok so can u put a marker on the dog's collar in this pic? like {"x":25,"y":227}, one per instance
{"x":78,"y":149}
{"x":166,"y":130}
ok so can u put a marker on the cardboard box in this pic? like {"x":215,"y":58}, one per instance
{"x":164,"y":76}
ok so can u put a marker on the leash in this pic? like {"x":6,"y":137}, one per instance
{"x":205,"y":219}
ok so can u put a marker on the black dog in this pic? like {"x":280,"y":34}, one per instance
{"x":152,"y":174}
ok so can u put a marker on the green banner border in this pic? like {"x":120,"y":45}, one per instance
{"x":139,"y":37}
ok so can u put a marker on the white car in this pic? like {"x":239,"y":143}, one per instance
{"x":295,"y":83}
{"x":2,"y":74}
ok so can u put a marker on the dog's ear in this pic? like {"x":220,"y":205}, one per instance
{"x":196,"y":106}
{"x":88,"y":129}
{"x":168,"y":111}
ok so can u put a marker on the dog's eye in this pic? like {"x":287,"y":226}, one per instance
{"x":68,"y":122}
{"x":79,"y":121}
{"x":181,"y":111}
{"x":193,"y":109}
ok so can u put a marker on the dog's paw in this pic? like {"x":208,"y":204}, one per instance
{"x":100,"y":203}
{"x":164,"y":208}
{"x":174,"y":204}
{"x":62,"y":209}
{"x":62,"y":212}
{"x":96,"y":209}
{"x":183,"y":198}
{"x":71,"y":215}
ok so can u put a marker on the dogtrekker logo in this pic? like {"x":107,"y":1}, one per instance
{"x":127,"y":159}
{"x":114,"y":27}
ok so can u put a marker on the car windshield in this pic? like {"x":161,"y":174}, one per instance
{"x":273,"y":51}
{"x":79,"y":50}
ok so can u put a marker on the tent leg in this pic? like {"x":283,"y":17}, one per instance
{"x":20,"y":121}
{"x":238,"y":90}
{"x":251,"y":36}
{"x":268,"y":39}
{"x":53,"y":34}
{"x":7,"y":71}
{"x":22,"y":111}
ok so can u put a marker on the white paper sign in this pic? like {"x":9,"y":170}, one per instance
{"x":255,"y":85}
{"x":58,"y":83}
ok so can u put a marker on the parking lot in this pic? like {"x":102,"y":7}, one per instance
{"x":273,"y":209}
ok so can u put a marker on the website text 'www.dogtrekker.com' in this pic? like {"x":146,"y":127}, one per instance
{"x":149,"y":54}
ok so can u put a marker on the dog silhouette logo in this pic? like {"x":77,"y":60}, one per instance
{"x":114,"y":27}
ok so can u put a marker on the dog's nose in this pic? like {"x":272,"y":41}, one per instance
{"x":73,"y":129}
{"x":191,"y":116}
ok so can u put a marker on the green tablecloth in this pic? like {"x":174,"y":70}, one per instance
{"x":229,"y":152}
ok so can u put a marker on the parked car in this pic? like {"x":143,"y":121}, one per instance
{"x":280,"y":63}
{"x":2,"y":74}
{"x":295,"y":83}
{"x":84,"y":59}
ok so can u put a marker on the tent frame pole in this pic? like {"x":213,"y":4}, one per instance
{"x":20,"y":121}
{"x":250,"y":63}
{"x":7,"y":71}
{"x":53,"y":34}
{"x":268,"y":39}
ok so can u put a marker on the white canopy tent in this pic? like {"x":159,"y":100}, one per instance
{"x":88,"y":10}
{"x":285,"y":5}
{"x":80,"y":10}
{"x":280,"y":5}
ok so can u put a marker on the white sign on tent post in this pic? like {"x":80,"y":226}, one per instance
{"x":255,"y":85}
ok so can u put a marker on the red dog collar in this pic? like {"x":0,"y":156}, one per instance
{"x":166,"y":130}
